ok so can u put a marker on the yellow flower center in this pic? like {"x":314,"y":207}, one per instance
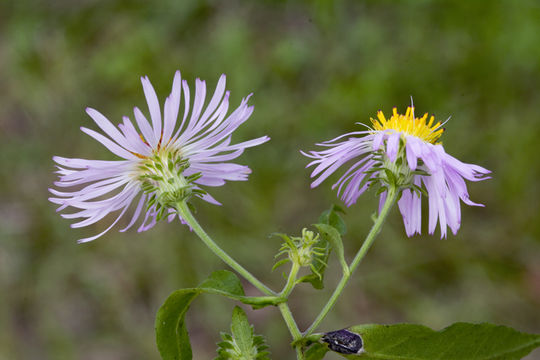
{"x":409,"y":125}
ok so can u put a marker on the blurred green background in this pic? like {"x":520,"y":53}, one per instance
{"x":315,"y":68}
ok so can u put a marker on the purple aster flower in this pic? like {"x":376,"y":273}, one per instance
{"x":403,"y":152}
{"x":162,"y":162}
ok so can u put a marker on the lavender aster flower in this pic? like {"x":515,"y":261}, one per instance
{"x":163,"y":162}
{"x":403,"y":152}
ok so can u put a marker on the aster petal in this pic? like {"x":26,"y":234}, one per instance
{"x":172,"y":104}
{"x":108,"y":128}
{"x":208,"y":198}
{"x":80,"y":241}
{"x":241,"y":114}
{"x":378,"y":139}
{"x":353,"y":133}
{"x":457,"y":185}
{"x":382,"y":200}
{"x":213,"y":104}
{"x":198,"y":103}
{"x":192,"y":138}
{"x":392,"y":146}
{"x":145,"y":128}
{"x":151,"y":214}
{"x":133,"y":138}
{"x":137,"y":213}
{"x":411,"y":152}
{"x":470,"y":172}
{"x":354,"y":190}
{"x":90,"y":192}
{"x":111,"y":146}
{"x":153,"y":106}
{"x":404,"y":204}
{"x":366,"y":165}
{"x":77,"y":163}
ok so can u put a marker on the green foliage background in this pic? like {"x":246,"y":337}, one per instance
{"x":315,"y":68}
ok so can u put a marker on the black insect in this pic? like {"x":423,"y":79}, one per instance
{"x":343,"y":341}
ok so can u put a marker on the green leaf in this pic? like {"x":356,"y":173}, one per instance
{"x":331,"y":217}
{"x":243,"y":344}
{"x":316,"y":352}
{"x":224,"y":283}
{"x":460,"y":341}
{"x":242,"y":331}
{"x":315,"y":280}
{"x":171,"y":334}
{"x":331,"y":234}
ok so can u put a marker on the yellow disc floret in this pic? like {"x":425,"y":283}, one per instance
{"x":409,"y":125}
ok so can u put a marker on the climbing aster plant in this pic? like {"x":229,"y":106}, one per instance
{"x":186,"y":148}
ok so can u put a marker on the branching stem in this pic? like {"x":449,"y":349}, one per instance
{"x":391,"y":199}
{"x":186,"y":214}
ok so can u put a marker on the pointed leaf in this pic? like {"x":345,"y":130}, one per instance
{"x":243,"y":344}
{"x":460,"y":341}
{"x":242,"y":331}
{"x":171,"y":334}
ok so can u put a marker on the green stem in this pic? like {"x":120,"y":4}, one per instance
{"x":293,"y":328}
{"x":299,"y":353}
{"x":289,"y":320}
{"x":391,"y":198}
{"x":186,"y":214}
{"x":286,"y":311}
{"x":291,"y":281}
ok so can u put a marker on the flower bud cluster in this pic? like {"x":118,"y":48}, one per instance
{"x":300,"y":250}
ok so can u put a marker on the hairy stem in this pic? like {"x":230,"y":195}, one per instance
{"x":391,"y":198}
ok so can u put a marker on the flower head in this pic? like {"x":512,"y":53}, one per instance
{"x":402,"y":152}
{"x":163,"y":161}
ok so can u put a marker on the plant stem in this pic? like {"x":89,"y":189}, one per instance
{"x":291,"y":281}
{"x":186,"y":214}
{"x":391,"y":198}
{"x":286,"y":311}
{"x":299,"y":354}
{"x":289,"y":320}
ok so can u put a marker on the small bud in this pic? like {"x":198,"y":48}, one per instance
{"x":299,"y":250}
